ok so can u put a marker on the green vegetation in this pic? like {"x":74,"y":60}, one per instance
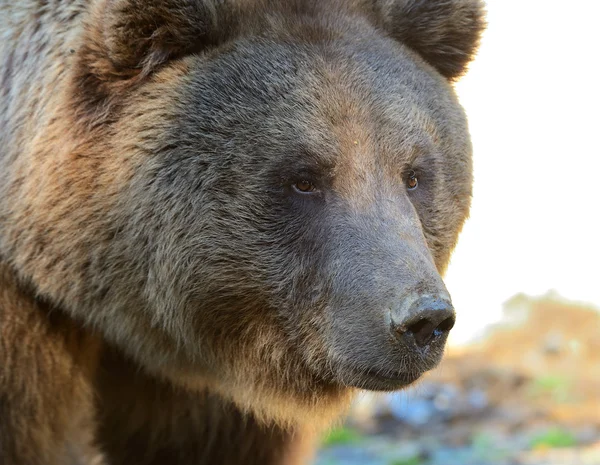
{"x":482,"y":441}
{"x":341,"y":435}
{"x":556,"y":386}
{"x":554,"y":438}
{"x":485,"y":448}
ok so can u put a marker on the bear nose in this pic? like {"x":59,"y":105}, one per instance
{"x":427,"y":319}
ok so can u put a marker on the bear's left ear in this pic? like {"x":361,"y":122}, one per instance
{"x":445,"y":33}
{"x":137,"y":36}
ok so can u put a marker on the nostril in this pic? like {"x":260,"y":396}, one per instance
{"x":423,"y":331}
{"x":446,"y":325}
{"x":422,"y":326}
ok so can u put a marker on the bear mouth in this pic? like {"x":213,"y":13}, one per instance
{"x":374,"y":379}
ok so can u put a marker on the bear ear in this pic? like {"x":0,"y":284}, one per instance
{"x":445,"y":33}
{"x":138,"y":35}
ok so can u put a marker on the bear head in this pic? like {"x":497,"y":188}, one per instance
{"x":258,"y":197}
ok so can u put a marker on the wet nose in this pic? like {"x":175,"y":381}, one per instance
{"x":427,"y":319}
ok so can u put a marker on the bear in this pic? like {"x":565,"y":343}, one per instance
{"x":222,"y":219}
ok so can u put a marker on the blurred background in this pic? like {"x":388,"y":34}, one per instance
{"x":521,"y":380}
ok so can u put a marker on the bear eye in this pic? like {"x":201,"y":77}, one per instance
{"x":412,"y":181}
{"x":304,"y":186}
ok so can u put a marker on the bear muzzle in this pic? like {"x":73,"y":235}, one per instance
{"x":418,"y":327}
{"x":393,"y":320}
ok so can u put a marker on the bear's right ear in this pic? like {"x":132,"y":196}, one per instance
{"x":132,"y":37}
{"x":445,"y":33}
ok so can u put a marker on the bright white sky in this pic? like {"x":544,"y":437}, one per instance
{"x":533,"y":101}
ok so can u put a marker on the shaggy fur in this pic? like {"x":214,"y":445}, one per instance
{"x":167,"y":295}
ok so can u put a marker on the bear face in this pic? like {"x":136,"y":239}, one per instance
{"x":259,"y":198}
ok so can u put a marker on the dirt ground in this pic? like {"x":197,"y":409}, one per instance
{"x":528,"y":393}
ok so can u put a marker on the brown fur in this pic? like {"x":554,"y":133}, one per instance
{"x":46,"y":394}
{"x":165,"y":296}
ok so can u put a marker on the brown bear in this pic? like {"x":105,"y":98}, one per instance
{"x":220,"y":219}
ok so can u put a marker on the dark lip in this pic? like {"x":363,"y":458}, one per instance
{"x":374,"y":380}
